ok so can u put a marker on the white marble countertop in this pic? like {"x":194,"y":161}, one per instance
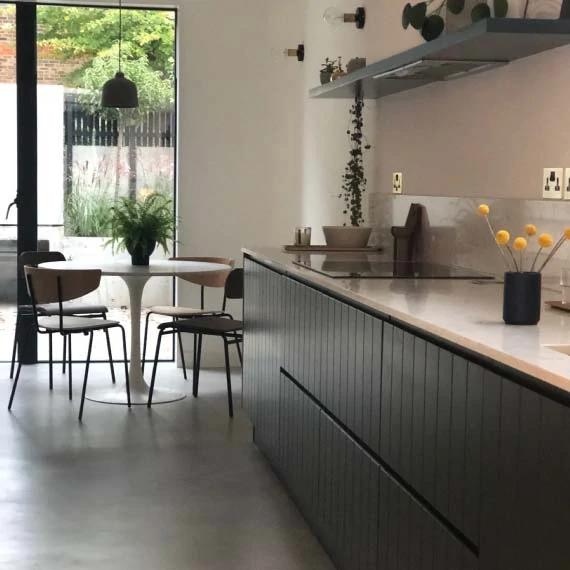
{"x":458,"y":311}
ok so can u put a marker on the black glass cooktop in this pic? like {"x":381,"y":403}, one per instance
{"x":344,"y":267}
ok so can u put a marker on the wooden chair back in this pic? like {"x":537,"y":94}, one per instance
{"x":35,"y":258}
{"x":207,"y":278}
{"x":60,"y":285}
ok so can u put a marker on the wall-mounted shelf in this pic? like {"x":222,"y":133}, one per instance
{"x":479,"y":47}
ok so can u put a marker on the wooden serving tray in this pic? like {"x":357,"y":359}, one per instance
{"x":559,"y":305}
{"x":327,"y":249}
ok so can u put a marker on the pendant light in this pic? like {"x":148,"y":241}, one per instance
{"x":120,"y":92}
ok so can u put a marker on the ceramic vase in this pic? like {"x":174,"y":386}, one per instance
{"x":521,"y":298}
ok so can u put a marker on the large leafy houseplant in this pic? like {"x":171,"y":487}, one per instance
{"x":139,"y":225}
{"x":432,"y":25}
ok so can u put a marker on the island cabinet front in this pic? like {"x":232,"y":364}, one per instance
{"x":402,"y":452}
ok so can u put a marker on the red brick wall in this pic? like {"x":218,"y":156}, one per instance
{"x":51,"y":70}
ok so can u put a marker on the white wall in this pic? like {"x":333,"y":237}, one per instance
{"x":325,"y":121}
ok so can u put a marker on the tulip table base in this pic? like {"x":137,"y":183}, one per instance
{"x":138,"y":385}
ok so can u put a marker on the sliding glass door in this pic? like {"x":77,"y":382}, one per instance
{"x":86,"y":156}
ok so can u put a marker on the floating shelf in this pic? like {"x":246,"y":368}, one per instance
{"x":476,"y":48}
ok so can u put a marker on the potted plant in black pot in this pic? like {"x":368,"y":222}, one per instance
{"x":138,"y":226}
{"x":352,"y":234}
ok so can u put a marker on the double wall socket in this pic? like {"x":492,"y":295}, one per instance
{"x":553,"y":183}
{"x":556,"y":183}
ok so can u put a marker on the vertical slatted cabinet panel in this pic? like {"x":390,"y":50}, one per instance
{"x":430,"y":402}
{"x":347,"y":508}
{"x":263,"y":352}
{"x":251,"y":338}
{"x":525,"y":464}
{"x":410,"y":538}
{"x":299,"y":446}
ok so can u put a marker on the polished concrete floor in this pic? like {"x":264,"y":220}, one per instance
{"x":179,"y":487}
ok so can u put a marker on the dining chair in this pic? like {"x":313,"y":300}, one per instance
{"x":34,"y":258}
{"x":222,"y":324}
{"x":206,"y":279}
{"x":60,"y":286}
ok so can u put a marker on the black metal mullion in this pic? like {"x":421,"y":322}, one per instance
{"x":27,"y":154}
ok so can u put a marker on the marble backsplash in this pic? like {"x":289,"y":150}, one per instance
{"x":453,"y":232}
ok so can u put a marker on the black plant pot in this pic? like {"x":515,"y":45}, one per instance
{"x":521,"y":298}
{"x":325,"y":77}
{"x":140,"y":254}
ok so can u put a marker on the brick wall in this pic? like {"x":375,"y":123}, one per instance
{"x":51,"y":70}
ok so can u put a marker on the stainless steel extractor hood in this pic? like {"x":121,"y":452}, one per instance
{"x":438,"y":69}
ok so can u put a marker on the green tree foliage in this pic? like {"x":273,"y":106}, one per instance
{"x":155,"y":91}
{"x":79,"y":32}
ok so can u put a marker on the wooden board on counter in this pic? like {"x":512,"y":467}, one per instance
{"x":327,"y":249}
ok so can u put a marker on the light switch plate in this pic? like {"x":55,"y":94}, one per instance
{"x":397,"y":183}
{"x":553,"y":183}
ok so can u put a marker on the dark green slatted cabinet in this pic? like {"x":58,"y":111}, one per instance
{"x":401,"y":454}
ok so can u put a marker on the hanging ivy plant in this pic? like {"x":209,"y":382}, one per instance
{"x":432,"y":25}
{"x":353,"y":179}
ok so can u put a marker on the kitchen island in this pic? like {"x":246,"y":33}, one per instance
{"x":414,"y":429}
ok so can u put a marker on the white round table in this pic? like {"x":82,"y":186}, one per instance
{"x":135,"y":277}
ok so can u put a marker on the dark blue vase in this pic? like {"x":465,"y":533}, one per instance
{"x":521,"y":298}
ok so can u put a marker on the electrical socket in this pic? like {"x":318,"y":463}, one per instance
{"x":397,"y":183}
{"x":553,"y":183}
{"x":566,"y":191}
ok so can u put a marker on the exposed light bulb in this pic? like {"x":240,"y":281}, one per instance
{"x":334,"y":16}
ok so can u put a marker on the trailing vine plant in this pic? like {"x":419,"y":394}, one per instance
{"x":432,"y":25}
{"x":353,"y":179}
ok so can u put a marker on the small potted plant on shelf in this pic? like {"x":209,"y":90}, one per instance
{"x":139,"y":225}
{"x":330,"y":70}
{"x":352,"y":234}
{"x":523,"y":277}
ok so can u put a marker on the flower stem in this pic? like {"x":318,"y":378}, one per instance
{"x":507,"y":262}
{"x":553,"y":252}
{"x":513,"y":258}
{"x":535,"y":259}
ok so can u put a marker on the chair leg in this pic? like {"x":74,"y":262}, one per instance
{"x":50,"y":359}
{"x":127,"y":382}
{"x":15,"y":344}
{"x":110,"y":356}
{"x":228,"y":378}
{"x":86,"y":375}
{"x":70,"y":371}
{"x":64,"y":359}
{"x":194,"y":360}
{"x":179,"y":335}
{"x":145,"y":338}
{"x":196,"y":372}
{"x":15,"y":385}
{"x":153,"y":378}
{"x":239,"y":352}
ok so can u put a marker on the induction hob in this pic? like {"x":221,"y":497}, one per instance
{"x":371,"y":267}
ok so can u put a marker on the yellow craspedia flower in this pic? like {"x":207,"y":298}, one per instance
{"x":567,"y":233}
{"x":519,"y":244}
{"x":545,"y":240}
{"x":483,"y":210}
{"x":530,"y":230}
{"x":502,"y":237}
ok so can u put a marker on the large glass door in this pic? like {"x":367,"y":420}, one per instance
{"x":73,"y":159}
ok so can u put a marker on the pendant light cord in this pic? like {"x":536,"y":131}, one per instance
{"x":120,"y":31}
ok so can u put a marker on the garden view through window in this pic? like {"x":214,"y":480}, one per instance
{"x":89,"y":156}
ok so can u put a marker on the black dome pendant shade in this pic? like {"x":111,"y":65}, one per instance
{"x":120,"y":92}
